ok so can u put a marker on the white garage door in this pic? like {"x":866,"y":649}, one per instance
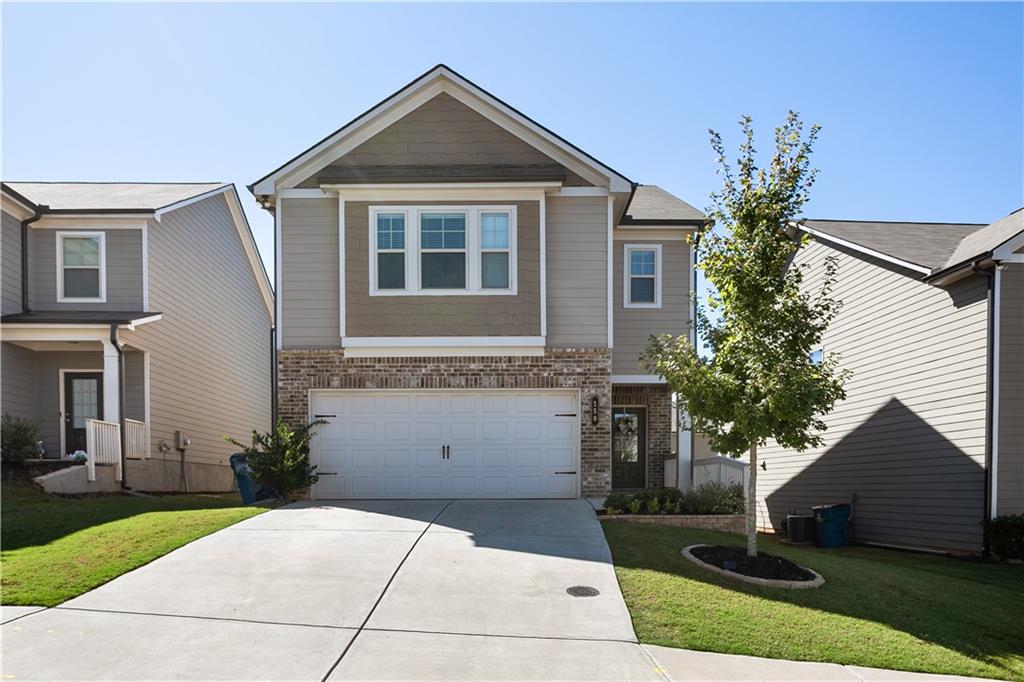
{"x":427,"y":444}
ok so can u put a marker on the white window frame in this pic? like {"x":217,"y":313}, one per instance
{"x":403,"y":250}
{"x":627,"y":252}
{"x":102,"y":238}
{"x":473,"y":251}
{"x":467,"y":267}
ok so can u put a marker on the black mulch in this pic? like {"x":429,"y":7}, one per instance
{"x":762,"y":566}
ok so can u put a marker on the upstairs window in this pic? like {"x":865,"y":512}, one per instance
{"x":443,"y":250}
{"x":81,"y":267}
{"x":642,"y":276}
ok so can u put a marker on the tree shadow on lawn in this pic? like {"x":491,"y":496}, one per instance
{"x":965,"y":606}
{"x":30,"y":517}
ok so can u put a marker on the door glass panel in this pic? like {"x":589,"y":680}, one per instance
{"x":626,"y":436}
{"x":84,"y":401}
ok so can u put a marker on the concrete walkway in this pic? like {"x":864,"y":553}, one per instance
{"x":400,"y":590}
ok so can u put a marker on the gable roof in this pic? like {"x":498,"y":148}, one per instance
{"x":651,"y":205}
{"x":987,"y":239}
{"x":440,"y":78}
{"x":109,"y":197}
{"x":157,"y":198}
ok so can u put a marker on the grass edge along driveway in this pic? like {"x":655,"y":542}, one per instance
{"x":57,"y":548}
{"x":878,"y":608}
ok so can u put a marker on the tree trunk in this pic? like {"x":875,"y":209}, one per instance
{"x":752,"y":503}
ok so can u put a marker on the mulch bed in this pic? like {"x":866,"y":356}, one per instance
{"x":762,"y":566}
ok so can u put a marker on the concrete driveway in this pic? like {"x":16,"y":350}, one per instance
{"x":357,"y":590}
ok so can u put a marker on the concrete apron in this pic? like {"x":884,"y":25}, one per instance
{"x":359,"y":590}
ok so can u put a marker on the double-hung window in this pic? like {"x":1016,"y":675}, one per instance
{"x":81,"y":267}
{"x":443,"y":250}
{"x":641,"y":268}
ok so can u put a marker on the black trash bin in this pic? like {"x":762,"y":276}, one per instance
{"x":250,"y":490}
{"x":833,"y":525}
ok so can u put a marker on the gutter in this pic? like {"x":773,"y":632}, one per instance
{"x":121,"y":403}
{"x":36,"y":215}
{"x":990,"y":451}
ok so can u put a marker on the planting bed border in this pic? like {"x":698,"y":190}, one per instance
{"x":725,"y":523}
{"x":763,"y":582}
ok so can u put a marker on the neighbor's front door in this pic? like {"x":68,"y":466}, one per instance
{"x":629,"y":447}
{"x":83,"y":399}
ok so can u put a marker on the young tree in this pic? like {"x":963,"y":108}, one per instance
{"x":280,"y":458}
{"x":758,"y":381}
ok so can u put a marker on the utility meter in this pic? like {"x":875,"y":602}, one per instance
{"x":181,"y":442}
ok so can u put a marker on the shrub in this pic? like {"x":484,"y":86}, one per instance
{"x":714,"y":498}
{"x":282,"y":462}
{"x":710,"y":498}
{"x":1006,"y":536}
{"x":19,"y":438}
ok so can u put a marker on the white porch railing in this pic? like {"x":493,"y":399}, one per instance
{"x":103,"y":446}
{"x":136,"y":439}
{"x":721,"y":470}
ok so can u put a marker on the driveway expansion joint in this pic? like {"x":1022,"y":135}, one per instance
{"x":211,"y":618}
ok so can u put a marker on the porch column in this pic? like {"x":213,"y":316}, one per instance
{"x":684,"y":453}
{"x":111,"y":394}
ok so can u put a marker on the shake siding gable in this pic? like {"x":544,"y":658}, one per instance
{"x":909,"y":440}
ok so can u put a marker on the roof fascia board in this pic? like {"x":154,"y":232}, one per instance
{"x":17,"y":205}
{"x":91,"y":222}
{"x":158,"y":213}
{"x":863,"y":249}
{"x":1005,"y":251}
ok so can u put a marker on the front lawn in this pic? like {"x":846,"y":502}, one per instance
{"x":878,"y":608}
{"x":57,"y":548}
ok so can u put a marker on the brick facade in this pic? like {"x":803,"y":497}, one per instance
{"x":586,"y":369}
{"x":658,"y":401}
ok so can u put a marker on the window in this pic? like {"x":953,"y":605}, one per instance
{"x":817,"y":356}
{"x":81,"y":267}
{"x":443,"y":250}
{"x":391,"y":251}
{"x":641,"y":269}
{"x":449,"y":250}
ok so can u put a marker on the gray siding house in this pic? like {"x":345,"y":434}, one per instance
{"x":142,"y":306}
{"x":463,"y":297}
{"x":930,"y":439}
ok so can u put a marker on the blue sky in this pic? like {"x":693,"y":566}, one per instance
{"x":921,"y":104}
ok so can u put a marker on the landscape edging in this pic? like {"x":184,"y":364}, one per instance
{"x":763,"y":582}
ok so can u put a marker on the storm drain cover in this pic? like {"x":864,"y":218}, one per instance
{"x":582,"y":591}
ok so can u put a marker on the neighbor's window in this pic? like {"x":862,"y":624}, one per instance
{"x":443,"y":250}
{"x":495,"y":251}
{"x":817,"y":356}
{"x":80,"y":267}
{"x":642,"y":283}
{"x":390,"y":250}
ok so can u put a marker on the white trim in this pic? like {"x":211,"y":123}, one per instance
{"x":627,"y":250}
{"x":418,"y":93}
{"x":472,"y":250}
{"x":90,"y":222}
{"x":158,"y":213}
{"x":1005,"y":251}
{"x":543,"y":266}
{"x":15,"y":207}
{"x":300,"y":193}
{"x":102,"y":237}
{"x":443,"y":346}
{"x":341,"y":265}
{"x":145,"y":267}
{"x":997,"y":284}
{"x":863,"y":249}
{"x":453,"y":192}
{"x":610,"y":275}
{"x":578,"y":192}
{"x":622,"y":234}
{"x":637,"y":379}
{"x":657,"y":228}
{"x":278,"y":270}
{"x":139,"y":321}
{"x":147,"y":402}
{"x":60,"y":391}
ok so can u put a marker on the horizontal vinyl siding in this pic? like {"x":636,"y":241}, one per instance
{"x":634,"y":326}
{"x":18,"y":382}
{"x":210,"y":354}
{"x":909,"y":440}
{"x":1010,"y":491}
{"x":577,"y":267}
{"x":367,"y":315}
{"x":309,"y":274}
{"x":124,"y":271}
{"x":10,"y":267}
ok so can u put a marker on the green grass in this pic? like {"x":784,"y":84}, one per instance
{"x":57,"y":548}
{"x":878,"y":608}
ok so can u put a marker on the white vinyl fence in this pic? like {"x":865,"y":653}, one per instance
{"x":136,"y":439}
{"x":102,"y":446}
{"x":721,"y":470}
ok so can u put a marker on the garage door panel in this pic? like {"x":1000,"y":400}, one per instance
{"x":384,"y":444}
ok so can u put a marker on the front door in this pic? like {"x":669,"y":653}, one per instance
{"x":629,"y":447}
{"x":83,"y":399}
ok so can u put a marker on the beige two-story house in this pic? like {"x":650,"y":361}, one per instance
{"x":463,"y":298}
{"x":136,"y":328}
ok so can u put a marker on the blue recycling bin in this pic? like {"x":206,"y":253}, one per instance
{"x":833,"y":525}
{"x":250,"y":490}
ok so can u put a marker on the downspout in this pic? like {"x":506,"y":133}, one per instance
{"x":989,"y":402}
{"x":120,"y":404}
{"x":36,"y":215}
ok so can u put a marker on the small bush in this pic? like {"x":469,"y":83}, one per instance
{"x":1006,"y":536}
{"x":710,"y":498}
{"x":18,"y":439}
{"x":281,"y":462}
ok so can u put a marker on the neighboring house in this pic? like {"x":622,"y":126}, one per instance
{"x":929,"y":441}
{"x":146,"y":302}
{"x":464,"y":295}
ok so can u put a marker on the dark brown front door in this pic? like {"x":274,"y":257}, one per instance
{"x":83,"y":399}
{"x":629,"y":447}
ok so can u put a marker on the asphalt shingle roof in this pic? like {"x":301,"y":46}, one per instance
{"x":987,"y":238}
{"x":651,"y":202}
{"x":111,"y":196}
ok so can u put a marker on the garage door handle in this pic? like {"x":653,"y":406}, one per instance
{"x":560,"y":473}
